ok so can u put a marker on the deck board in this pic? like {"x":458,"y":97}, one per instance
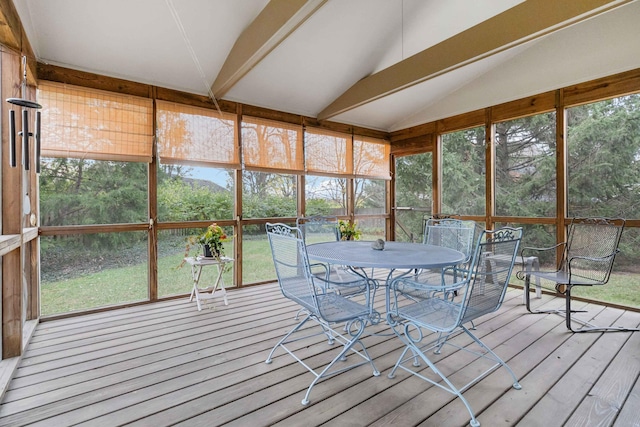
{"x":168,"y":364}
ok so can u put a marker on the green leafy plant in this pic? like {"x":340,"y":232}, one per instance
{"x":348,"y":230}
{"x":214,"y":237}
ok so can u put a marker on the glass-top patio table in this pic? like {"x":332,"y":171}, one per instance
{"x":359,"y":255}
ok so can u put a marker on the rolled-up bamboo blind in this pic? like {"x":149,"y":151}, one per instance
{"x":271,"y":146}
{"x":371,"y":157}
{"x":79,"y":122}
{"x":328,"y":152}
{"x":195,"y":135}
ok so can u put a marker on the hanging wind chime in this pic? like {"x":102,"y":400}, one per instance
{"x":26,"y":105}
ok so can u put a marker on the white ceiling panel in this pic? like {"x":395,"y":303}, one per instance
{"x":592,"y":49}
{"x":183,"y":44}
{"x":139,"y":40}
{"x":339,"y":44}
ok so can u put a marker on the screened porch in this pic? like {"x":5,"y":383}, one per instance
{"x":127,"y":158}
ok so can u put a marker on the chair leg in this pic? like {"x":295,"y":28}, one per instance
{"x":527,"y":295}
{"x":418,"y":352}
{"x":558,"y":311}
{"x":349,"y":341}
{"x":586,"y":326}
{"x":413,"y":350}
{"x":567,"y":311}
{"x":348,"y":345}
{"x":495,"y":357}
{"x":283,"y":339}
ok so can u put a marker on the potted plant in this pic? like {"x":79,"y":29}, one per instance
{"x":348,"y":230}
{"x":211,"y":241}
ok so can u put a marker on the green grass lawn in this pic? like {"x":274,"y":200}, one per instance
{"x":123,"y":284}
{"x":78,"y":289}
{"x":623,"y":289}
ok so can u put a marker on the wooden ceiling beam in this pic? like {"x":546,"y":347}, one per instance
{"x":273,"y":25}
{"x":527,"y":21}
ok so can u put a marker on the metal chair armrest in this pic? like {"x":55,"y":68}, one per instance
{"x":537,"y":250}
{"x":530,"y":251}
{"x":601,"y":258}
{"x":364,"y":284}
{"x":320,"y":264}
{"x":604,"y":260}
{"x":423,"y":287}
{"x":325,"y":270}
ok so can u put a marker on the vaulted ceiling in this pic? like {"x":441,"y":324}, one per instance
{"x":380,"y":64}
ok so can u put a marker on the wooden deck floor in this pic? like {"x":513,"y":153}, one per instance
{"x":168,"y":364}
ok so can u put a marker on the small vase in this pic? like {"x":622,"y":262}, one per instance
{"x":208,"y":253}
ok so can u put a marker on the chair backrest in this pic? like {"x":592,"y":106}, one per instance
{"x":291,"y":264}
{"x":491,"y":267}
{"x":451,"y":233}
{"x":434,"y":219}
{"x":592,"y":245}
{"x":317,"y":229}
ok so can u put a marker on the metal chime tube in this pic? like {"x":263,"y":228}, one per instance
{"x":12,"y":138}
{"x":25,"y":139}
{"x":37,"y":136}
{"x":25,"y":104}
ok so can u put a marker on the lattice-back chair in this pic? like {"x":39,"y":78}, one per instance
{"x":587,"y":260}
{"x":449,"y":233}
{"x":434,"y":219}
{"x":480,"y":292}
{"x":327,"y":309}
{"x":319,"y":229}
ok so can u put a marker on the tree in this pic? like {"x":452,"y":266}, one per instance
{"x":604,"y":153}
{"x":463,"y":172}
{"x":413,"y":190}
{"x":79,"y":191}
{"x":525,"y":166}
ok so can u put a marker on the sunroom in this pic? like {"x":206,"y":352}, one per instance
{"x":161,"y":118}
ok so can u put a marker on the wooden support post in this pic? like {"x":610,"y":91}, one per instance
{"x":12,"y":271}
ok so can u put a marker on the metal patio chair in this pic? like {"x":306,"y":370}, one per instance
{"x":326,"y":309}
{"x":429,"y":309}
{"x":430,"y":219}
{"x":318,"y":229}
{"x":587,"y":260}
{"x":449,"y":233}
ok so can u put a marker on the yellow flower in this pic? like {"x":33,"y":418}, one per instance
{"x":348,"y":230}
{"x":213,"y":237}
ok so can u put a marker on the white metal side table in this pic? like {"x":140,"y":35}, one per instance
{"x":215,"y":291}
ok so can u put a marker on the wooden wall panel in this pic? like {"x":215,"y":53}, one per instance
{"x":13,"y":37}
{"x":412,"y":132}
{"x":193,"y":99}
{"x":416,"y":145}
{"x":524,"y":107}
{"x":152,"y":234}
{"x":462,"y":121}
{"x":591,"y":91}
{"x":607,"y":87}
{"x":82,"y":78}
{"x":95,"y":81}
